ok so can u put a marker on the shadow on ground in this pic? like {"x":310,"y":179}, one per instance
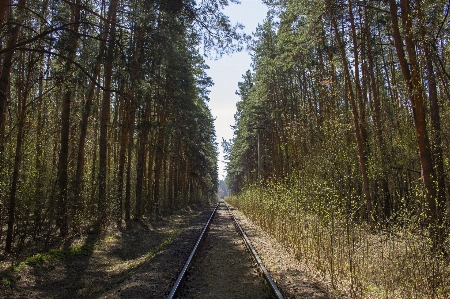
{"x":91,"y":268}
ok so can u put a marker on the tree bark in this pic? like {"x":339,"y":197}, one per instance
{"x":377,"y":120}
{"x":3,"y":9}
{"x":143,"y":140}
{"x":16,"y":169}
{"x":12,"y":35}
{"x":78,"y":183}
{"x":122,"y":155}
{"x":129,"y":158}
{"x":63,"y":219}
{"x":436,"y":145}
{"x":104,"y":119}
{"x":411,"y":75}
{"x":150,"y":169}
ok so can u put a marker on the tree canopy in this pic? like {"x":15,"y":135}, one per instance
{"x":103,"y":113}
{"x":351,"y":94}
{"x":340,"y":146}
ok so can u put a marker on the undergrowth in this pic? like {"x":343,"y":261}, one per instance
{"x":39,"y":260}
{"x":363,"y":262}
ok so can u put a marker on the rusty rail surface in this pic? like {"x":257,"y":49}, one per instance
{"x":266,"y":274}
{"x":191,"y":256}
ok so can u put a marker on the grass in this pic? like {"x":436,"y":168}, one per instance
{"x":6,"y":282}
{"x":131,"y":266}
{"x":40,"y":259}
{"x":82,"y":249}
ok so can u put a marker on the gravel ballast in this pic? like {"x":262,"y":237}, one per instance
{"x":223,"y":267}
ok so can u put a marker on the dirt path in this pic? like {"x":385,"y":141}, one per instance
{"x":223,"y":268}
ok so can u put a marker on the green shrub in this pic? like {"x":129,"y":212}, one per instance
{"x":361,"y":261}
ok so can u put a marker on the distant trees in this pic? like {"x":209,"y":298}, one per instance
{"x":223,"y":190}
{"x":351,"y":94}
{"x":103,"y":112}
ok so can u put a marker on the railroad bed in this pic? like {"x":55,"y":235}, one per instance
{"x":223,"y":265}
{"x":222,"y":268}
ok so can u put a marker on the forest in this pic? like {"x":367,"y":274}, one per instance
{"x":103,"y":113}
{"x":341,"y":136}
{"x":341,"y":142}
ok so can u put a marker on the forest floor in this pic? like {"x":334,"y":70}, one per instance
{"x":142,"y":261}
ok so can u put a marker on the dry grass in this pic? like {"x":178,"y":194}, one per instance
{"x":359,"y":261}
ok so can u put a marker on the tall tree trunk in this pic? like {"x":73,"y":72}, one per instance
{"x":150,"y":169}
{"x":16,"y":169}
{"x":39,"y":194}
{"x":104,"y":119}
{"x":129,"y":158}
{"x":15,"y":178}
{"x":63,"y":219}
{"x":159,"y":156}
{"x":78,"y":183}
{"x":142,"y":154}
{"x":377,"y":118}
{"x":122,"y":153}
{"x":3,"y":9}
{"x":12,"y":35}
{"x":94,"y":173}
{"x":436,"y":146}
{"x":39,"y":159}
{"x":362,"y":111}
{"x":411,"y":75}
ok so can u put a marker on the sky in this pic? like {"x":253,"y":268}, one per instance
{"x":228,"y":70}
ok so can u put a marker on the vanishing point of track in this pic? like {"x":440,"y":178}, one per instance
{"x":218,"y":257}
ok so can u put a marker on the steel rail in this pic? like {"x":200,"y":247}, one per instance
{"x":191,"y":256}
{"x":267,"y":276}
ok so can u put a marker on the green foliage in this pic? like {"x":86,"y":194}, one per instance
{"x":40,"y":259}
{"x":296,"y":102}
{"x":341,"y":174}
{"x":82,"y":249}
{"x":364,"y":263}
{"x":36,"y":260}
{"x":159,"y":130}
{"x":6,"y":282}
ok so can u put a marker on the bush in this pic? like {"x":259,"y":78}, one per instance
{"x":393,"y":262}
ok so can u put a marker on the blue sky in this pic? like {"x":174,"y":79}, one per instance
{"x":227,"y":72}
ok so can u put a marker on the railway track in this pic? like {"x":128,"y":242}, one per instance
{"x":224,"y":264}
